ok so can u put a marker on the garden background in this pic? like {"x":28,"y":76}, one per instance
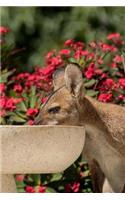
{"x":40,"y":29}
{"x":36,"y":41}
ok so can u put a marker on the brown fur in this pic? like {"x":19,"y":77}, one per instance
{"x":104,"y":124}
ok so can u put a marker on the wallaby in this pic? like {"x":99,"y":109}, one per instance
{"x":104,"y":126}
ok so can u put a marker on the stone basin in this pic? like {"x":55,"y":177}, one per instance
{"x":38,"y":149}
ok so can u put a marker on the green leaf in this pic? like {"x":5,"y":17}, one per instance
{"x":82,"y":61}
{"x":33,"y":90}
{"x":10,"y":82}
{"x":61,"y":187}
{"x":12,"y":93}
{"x":50,"y":190}
{"x":92,"y":93}
{"x":17,"y":119}
{"x":37,"y":179}
{"x":21,"y":190}
{"x":89,"y":190}
{"x":22,"y":115}
{"x":21,"y":106}
{"x":24,"y":95}
{"x":33,"y":100}
{"x":2,"y":120}
{"x":5,"y":75}
{"x":56,"y":177}
{"x":10,"y":113}
{"x":86,"y":173}
{"x":90,"y":83}
{"x":20,"y":184}
{"x":73,"y":60}
{"x":30,"y":178}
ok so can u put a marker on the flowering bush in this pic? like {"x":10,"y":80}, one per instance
{"x":103,"y":67}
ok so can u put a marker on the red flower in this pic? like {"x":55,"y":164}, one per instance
{"x":2,"y":113}
{"x":50,"y":54}
{"x":108,"y":84}
{"x":105,"y":97}
{"x":30,"y":122}
{"x":113,"y":49}
{"x":42,"y":189}
{"x":116,"y":86}
{"x":31,"y":112}
{"x":75,"y":186}
{"x":17,"y":100}
{"x":29,"y":189}
{"x":65,"y":52}
{"x":106,"y":47}
{"x":10,"y":104}
{"x":117,"y":59}
{"x":22,"y":76}
{"x":18,"y":88}
{"x":98,"y":71}
{"x":68,"y":187}
{"x":78,"y":46}
{"x":90,"y":71}
{"x":122,"y":82}
{"x":28,"y":84}
{"x":121,"y":97}
{"x":90,"y":56}
{"x":48,"y":70}
{"x":19,"y":177}
{"x":84,"y":53}
{"x":100,"y":61}
{"x":56,"y":61}
{"x":2,"y":87}
{"x":79,"y":53}
{"x":43,"y":100}
{"x":113,"y":36}
{"x":3,"y":102}
{"x":104,"y":75}
{"x":32,"y":77}
{"x":92,"y":44}
{"x":4,"y":30}
{"x":113,"y":65}
{"x":72,"y":187}
{"x":68,"y":42}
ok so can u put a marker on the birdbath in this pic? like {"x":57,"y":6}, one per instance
{"x":37,"y":149}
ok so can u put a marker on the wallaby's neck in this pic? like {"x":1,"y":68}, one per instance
{"x":88,"y":112}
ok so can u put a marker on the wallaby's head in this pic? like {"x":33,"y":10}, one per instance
{"x":63,"y":105}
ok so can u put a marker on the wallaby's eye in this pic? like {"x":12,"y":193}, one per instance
{"x":54,"y":110}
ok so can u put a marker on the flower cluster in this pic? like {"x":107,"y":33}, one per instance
{"x":74,"y":187}
{"x":7,"y":103}
{"x":3,"y":32}
{"x":38,"y":189}
{"x":102,"y":64}
{"x":60,"y":182}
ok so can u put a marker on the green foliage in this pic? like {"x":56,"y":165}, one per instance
{"x":10,"y":56}
{"x":40,"y":29}
{"x":5,"y":75}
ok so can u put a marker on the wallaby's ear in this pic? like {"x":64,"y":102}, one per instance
{"x":58,"y":78}
{"x":74,"y":80}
